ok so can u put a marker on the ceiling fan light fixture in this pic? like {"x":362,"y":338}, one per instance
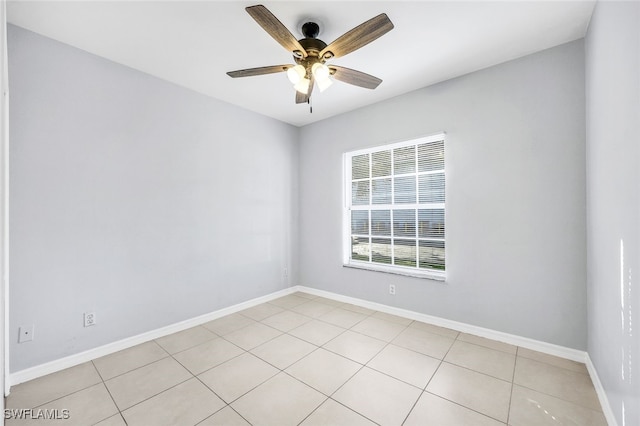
{"x":303,"y":86}
{"x":296,"y":73}
{"x":320,"y":71}
{"x":324,"y":84}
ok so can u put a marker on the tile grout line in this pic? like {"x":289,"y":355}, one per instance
{"x":362,"y":366}
{"x":551,"y":395}
{"x":513,"y":378}
{"x":156,"y":394}
{"x":280,"y":370}
{"x":365,"y":365}
{"x":559,"y":398}
{"x":442,"y":361}
{"x":487,"y":347}
{"x":110,"y":395}
{"x":387,"y":343}
{"x":135,"y":368}
{"x":414,"y":404}
{"x":248,"y":351}
{"x":226,"y":404}
{"x":465,"y":407}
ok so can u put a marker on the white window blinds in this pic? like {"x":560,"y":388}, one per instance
{"x":395,"y":207}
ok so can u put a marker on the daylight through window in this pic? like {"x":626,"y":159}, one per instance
{"x":395,"y":207}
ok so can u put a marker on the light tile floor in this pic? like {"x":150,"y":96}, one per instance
{"x":306,"y":360}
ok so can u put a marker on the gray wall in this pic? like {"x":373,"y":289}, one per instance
{"x":515,"y":159}
{"x":135,"y":199}
{"x":613,"y":200}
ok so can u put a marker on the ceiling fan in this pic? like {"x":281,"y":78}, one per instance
{"x":311,"y":53}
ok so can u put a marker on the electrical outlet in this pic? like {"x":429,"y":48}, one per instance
{"x":89,"y":319}
{"x":392,"y":289}
{"x":25,"y":333}
{"x":285,"y":273}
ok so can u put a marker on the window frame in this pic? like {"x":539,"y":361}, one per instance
{"x":348,"y":207}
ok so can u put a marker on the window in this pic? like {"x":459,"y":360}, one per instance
{"x":395,"y":208}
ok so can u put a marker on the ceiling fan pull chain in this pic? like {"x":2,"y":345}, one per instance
{"x":310,"y":105}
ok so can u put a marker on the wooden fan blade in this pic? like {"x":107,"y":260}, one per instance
{"x":250,"y":72}
{"x":301,"y":98}
{"x":275,"y":28}
{"x":360,"y":36}
{"x":357,"y":78}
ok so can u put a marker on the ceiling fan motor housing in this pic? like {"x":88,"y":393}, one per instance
{"x":310,"y":29}
{"x":313,"y":46}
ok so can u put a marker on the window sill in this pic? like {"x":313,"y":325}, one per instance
{"x":430,"y":275}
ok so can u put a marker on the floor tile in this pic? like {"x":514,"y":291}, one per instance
{"x":142,"y":383}
{"x":488,"y":343}
{"x":52,"y":386}
{"x":283,"y":351}
{"x":252,"y":335}
{"x":328,"y":301}
{"x":237,"y":376}
{"x":185,"y":339}
{"x":355,"y":346}
{"x":335,"y":414}
{"x":280,"y":401}
{"x":185,"y":404}
{"x":378,"y":328}
{"x":556,"y":381}
{"x":317,"y":332}
{"x":483,"y":360}
{"x":305,"y":295}
{"x":224,"y":417}
{"x":406,"y":365}
{"x":313,"y":309}
{"x":207,"y":355}
{"x":358,"y":309}
{"x":87,"y":406}
{"x":424,"y":342}
{"x":228,"y":324}
{"x":553,"y":360}
{"x":435,"y":329}
{"x":129,"y":359}
{"x":378,"y":397}
{"x":433,"y":410}
{"x":342,"y":318}
{"x":262,"y":311}
{"x":529,"y":407}
{"x":462,"y":386}
{"x":393,"y":318}
{"x":324,"y":370}
{"x":289,"y":301}
{"x":285,"y":321}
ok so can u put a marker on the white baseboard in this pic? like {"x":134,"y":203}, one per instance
{"x":91,"y":354}
{"x":602,"y":395}
{"x":536,"y":345}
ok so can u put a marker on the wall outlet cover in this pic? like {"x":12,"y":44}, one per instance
{"x":25,"y":333}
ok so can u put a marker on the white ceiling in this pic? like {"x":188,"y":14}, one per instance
{"x":194,"y":43}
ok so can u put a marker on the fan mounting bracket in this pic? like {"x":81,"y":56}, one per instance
{"x":310,"y":27}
